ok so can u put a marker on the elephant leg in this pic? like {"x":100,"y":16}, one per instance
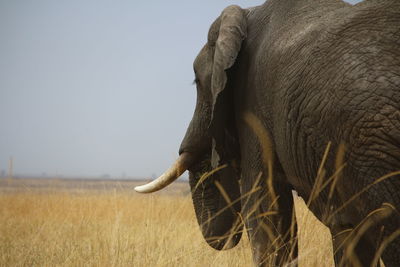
{"x":269,"y":219}
{"x":391,"y":254}
{"x":365,"y":251}
{"x":381,"y":218}
{"x":267,"y":199}
{"x":388,"y":246}
{"x":377,"y":235}
{"x":287,"y":225}
{"x":360,"y":254}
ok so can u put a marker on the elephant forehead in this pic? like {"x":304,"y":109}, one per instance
{"x":202,"y":63}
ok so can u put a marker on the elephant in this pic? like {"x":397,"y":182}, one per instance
{"x":297,"y":96}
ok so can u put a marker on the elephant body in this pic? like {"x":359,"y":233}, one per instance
{"x":299,"y":95}
{"x":330,"y":74}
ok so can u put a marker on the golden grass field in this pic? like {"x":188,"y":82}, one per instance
{"x":45,"y":222}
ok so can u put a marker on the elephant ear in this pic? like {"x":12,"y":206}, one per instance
{"x":227,"y":34}
{"x":218,"y":217}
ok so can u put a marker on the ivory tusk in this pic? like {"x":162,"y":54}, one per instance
{"x":173,"y":173}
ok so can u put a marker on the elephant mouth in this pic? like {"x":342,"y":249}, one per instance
{"x":183,"y":163}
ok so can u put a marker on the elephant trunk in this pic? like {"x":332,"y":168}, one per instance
{"x":215,"y":197}
{"x":217,"y":204}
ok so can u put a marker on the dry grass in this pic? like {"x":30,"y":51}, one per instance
{"x":113,"y":227}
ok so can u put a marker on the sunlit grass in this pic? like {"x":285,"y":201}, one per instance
{"x":122,"y":228}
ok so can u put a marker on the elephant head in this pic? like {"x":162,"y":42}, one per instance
{"x":210,"y":153}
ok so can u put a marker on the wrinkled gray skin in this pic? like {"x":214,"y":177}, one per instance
{"x":311,"y":72}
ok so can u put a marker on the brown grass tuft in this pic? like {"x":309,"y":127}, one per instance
{"x":112,"y":227}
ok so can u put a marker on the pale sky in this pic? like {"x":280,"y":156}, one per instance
{"x":92,"y":87}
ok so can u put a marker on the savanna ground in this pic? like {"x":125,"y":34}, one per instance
{"x":60,"y":222}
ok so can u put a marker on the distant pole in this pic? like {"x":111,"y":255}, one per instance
{"x":10,"y":168}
